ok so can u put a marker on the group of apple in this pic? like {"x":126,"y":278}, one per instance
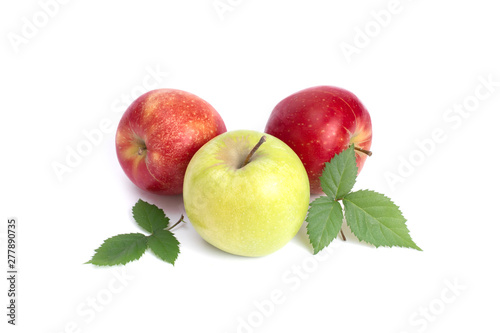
{"x":245,"y":192}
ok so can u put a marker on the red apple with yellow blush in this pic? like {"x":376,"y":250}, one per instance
{"x":318,"y":123}
{"x":159,"y":133}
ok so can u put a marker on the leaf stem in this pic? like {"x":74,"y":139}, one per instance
{"x":254,"y":149}
{"x":342,"y":235}
{"x":176,"y":223}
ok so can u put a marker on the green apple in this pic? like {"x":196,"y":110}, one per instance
{"x":246,"y":193}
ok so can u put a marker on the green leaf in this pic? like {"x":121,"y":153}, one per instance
{"x":339,"y":175}
{"x":149,"y":217}
{"x":164,"y":244}
{"x":324,"y":221}
{"x":375,"y":219}
{"x":119,"y":250}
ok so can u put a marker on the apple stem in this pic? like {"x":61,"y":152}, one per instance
{"x":364,"y":151}
{"x":176,"y":223}
{"x":254,"y":149}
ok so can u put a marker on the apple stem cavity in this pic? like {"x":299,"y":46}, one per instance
{"x":364,"y":151}
{"x":141,"y":146}
{"x":254,"y":149}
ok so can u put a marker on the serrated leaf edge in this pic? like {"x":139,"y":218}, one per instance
{"x":345,"y":151}
{"x":177,"y":243}
{"x":164,"y":216}
{"x":415,"y":246}
{"x":96,"y":251}
{"x":316,"y":247}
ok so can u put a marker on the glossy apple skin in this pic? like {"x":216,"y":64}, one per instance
{"x":249,"y":211}
{"x":159,"y":133}
{"x":318,"y":123}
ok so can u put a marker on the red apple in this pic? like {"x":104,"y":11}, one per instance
{"x":159,"y":133}
{"x":318,"y":123}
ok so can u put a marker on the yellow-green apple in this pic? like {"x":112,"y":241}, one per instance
{"x":318,"y":123}
{"x":159,"y":133}
{"x":246,"y":193}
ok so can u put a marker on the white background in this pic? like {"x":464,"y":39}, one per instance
{"x":415,"y":68}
